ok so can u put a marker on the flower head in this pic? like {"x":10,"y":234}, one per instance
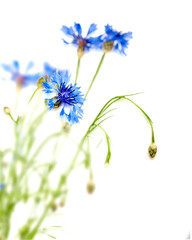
{"x":83,"y":43}
{"x":113,"y":39}
{"x":64,"y":94}
{"x":22,"y":80}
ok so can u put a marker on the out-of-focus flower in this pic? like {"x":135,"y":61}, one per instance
{"x":62,"y":93}
{"x":49,"y":70}
{"x":114,"y":40}
{"x":22,"y":80}
{"x":2,"y":186}
{"x":83,"y":43}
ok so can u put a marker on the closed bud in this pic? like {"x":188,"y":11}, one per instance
{"x":152,"y":150}
{"x":62,"y":203}
{"x":90,"y":186}
{"x":54,"y":207}
{"x":108,"y":46}
{"x":7,"y":110}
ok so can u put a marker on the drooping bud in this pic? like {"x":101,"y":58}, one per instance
{"x":54,"y":207}
{"x":7,"y":110}
{"x":108,"y":159}
{"x":90,"y":186}
{"x":152,"y":150}
{"x":108,"y":46}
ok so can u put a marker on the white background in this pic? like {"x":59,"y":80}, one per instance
{"x":135,"y":198}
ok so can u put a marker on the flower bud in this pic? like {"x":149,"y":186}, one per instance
{"x":7,"y":110}
{"x":108,"y":46}
{"x":90,"y":186}
{"x":54,"y":207}
{"x":62,"y":203}
{"x":152,"y":150}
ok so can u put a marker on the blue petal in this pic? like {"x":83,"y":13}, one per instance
{"x":92,"y":28}
{"x":68,"y":31}
{"x":50,"y":103}
{"x":62,"y":112}
{"x":7,"y":67}
{"x":30,"y":65}
{"x":78,"y":28}
{"x":16,"y":65}
{"x":65,"y":41}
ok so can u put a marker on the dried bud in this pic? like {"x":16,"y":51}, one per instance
{"x":90,"y":186}
{"x":108,"y":46}
{"x":80,"y":51}
{"x":7,"y":110}
{"x":152,"y":150}
{"x":41,"y":80}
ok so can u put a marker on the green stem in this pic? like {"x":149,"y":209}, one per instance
{"x":33,"y":95}
{"x":77,"y":69}
{"x":12,"y":118}
{"x":98,"y":68}
{"x":148,"y":118}
{"x":44,"y":143}
{"x":72,"y":165}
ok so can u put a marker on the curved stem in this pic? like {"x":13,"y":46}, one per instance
{"x":148,"y":118}
{"x":33,"y":95}
{"x":98,"y":68}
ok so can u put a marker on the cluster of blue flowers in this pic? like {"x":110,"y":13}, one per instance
{"x":119,"y":41}
{"x":56,"y":82}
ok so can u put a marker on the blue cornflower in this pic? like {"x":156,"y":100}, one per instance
{"x":21,"y":79}
{"x":62,"y":93}
{"x":115,"y":40}
{"x":83,"y":43}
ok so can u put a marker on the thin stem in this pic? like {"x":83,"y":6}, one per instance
{"x":57,"y":134}
{"x":33,"y":95}
{"x":76,"y":155}
{"x":98,"y":68}
{"x":77,"y":69}
{"x":148,"y":118}
{"x":12,"y":118}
